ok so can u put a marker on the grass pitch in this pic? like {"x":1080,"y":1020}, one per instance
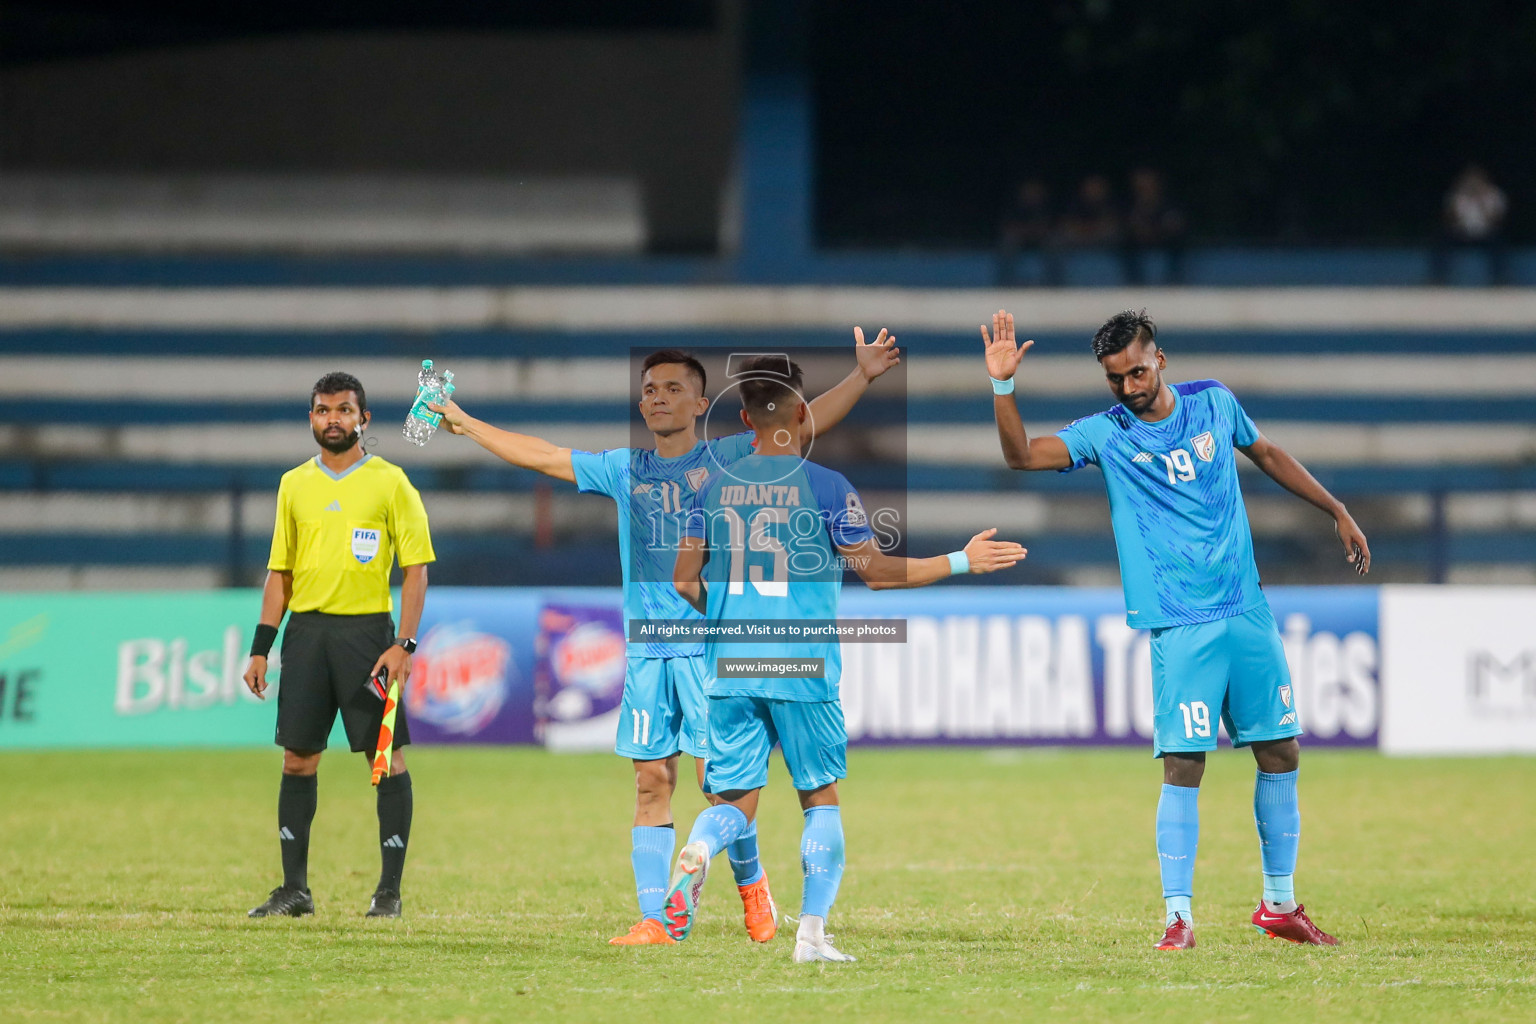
{"x":985,"y":885}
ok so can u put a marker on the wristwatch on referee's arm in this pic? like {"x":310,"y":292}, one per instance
{"x":409,"y":643}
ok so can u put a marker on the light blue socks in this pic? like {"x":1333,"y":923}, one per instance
{"x":1277,"y":813}
{"x":743,"y":854}
{"x":718,"y":827}
{"x":651,"y":856}
{"x":1178,"y":837}
{"x":821,"y":859}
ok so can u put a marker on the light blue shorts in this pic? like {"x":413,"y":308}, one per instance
{"x":1230,"y":669}
{"x":662,"y":711}
{"x":743,"y":730}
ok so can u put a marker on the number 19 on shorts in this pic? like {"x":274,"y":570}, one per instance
{"x":1197,"y":719}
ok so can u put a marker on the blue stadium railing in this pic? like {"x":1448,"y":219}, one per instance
{"x":502,"y":343}
{"x":1204,"y":265}
{"x":200,"y":478}
{"x":873,"y":410}
{"x":511,"y":554}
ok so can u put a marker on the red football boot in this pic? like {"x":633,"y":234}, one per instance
{"x":1293,"y":927}
{"x":1180,"y":935}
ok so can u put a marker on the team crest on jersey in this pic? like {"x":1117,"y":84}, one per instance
{"x":365,"y":544}
{"x":696,"y":477}
{"x":854,"y":511}
{"x":1285,"y":695}
{"x":1204,"y":446}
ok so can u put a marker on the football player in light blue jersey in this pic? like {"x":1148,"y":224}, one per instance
{"x":663,"y":703}
{"x":768,"y":540}
{"x":1186,"y":563}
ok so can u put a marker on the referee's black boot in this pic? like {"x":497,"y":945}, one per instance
{"x":386,"y":903}
{"x":285,"y":902}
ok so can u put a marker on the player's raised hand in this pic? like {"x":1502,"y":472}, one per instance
{"x":453,"y":416}
{"x":877,"y":356}
{"x":1002,"y":354}
{"x":256,"y":676}
{"x":987,"y":555}
{"x":1357,"y":551}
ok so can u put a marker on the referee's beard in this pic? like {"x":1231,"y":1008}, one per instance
{"x":336,"y":440}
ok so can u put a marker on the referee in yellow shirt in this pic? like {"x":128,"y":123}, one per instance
{"x":342,"y":519}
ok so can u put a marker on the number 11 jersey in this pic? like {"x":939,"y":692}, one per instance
{"x":653,"y":495}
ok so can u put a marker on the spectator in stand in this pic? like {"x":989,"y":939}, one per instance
{"x":1028,"y":226}
{"x":1092,"y":219}
{"x":1473,"y":218}
{"x":1152,"y":225}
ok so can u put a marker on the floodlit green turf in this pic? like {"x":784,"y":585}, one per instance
{"x":992,"y":885}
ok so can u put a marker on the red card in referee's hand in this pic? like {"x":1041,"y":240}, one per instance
{"x":378,"y":683}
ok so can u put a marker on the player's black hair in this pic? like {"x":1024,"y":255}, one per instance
{"x":335,"y":384}
{"x":767,"y":380}
{"x":1121,"y":331}
{"x":678,"y":357}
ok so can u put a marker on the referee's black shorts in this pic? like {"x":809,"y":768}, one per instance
{"x":325,"y":664}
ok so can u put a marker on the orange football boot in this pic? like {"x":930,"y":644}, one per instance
{"x":649,"y":932}
{"x":762,"y":914}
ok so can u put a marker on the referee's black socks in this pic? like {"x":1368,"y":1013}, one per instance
{"x":395,"y":804}
{"x":295,"y":810}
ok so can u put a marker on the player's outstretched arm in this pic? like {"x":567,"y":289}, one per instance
{"x":1281,"y":467}
{"x":523,"y":450}
{"x":881,"y":571}
{"x":829,"y":407}
{"x":1020,"y":451}
{"x":687,"y":570}
{"x":275,"y":595}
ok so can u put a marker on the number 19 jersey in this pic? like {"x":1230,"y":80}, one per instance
{"x":772,"y":524}
{"x":1181,"y":529}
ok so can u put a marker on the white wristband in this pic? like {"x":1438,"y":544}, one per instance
{"x":959,"y":563}
{"x":1001,"y":387}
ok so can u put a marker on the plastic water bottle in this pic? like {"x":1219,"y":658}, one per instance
{"x":431,"y":388}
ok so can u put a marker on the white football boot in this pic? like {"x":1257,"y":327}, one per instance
{"x":814,"y":946}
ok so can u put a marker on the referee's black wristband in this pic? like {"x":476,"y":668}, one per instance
{"x":261,"y":643}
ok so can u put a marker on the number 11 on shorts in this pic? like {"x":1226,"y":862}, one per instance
{"x":1197,"y":719}
{"x":642,"y":726}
